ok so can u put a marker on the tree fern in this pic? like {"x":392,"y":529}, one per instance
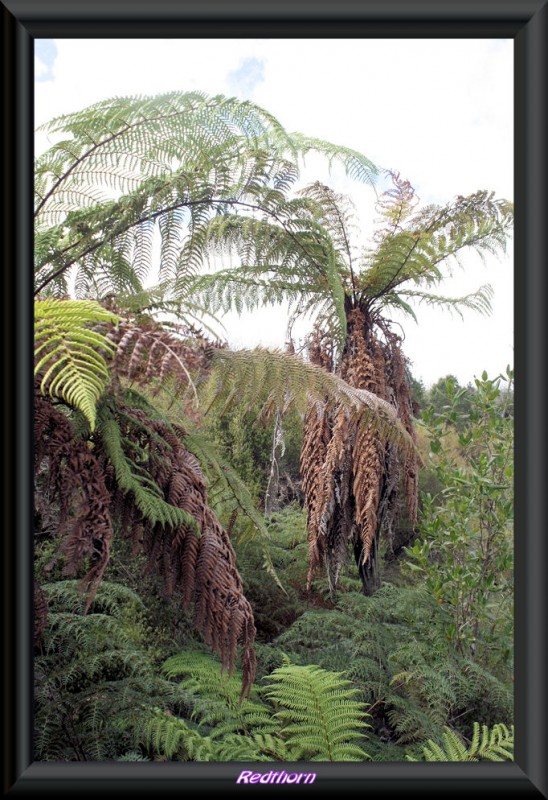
{"x":304,"y":253}
{"x":70,"y":359}
{"x":125,"y":164}
{"x":495,"y":744}
{"x":320,"y":718}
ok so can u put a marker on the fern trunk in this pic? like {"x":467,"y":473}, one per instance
{"x":353,"y":477}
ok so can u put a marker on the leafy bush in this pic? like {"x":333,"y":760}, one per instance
{"x":464,"y":554}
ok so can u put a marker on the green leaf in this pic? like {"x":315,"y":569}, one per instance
{"x":69,"y":360}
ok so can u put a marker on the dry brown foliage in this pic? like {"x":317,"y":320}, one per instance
{"x":194,"y":558}
{"x":351,"y":473}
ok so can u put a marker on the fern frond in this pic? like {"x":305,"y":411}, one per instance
{"x":172,"y":162}
{"x":286,"y":256}
{"x":432,"y":237}
{"x":318,"y":712}
{"x":291,"y":382}
{"x":495,"y":744}
{"x":218,"y":706}
{"x":171,"y":737}
{"x":356,"y":166}
{"x":479,"y":301}
{"x":125,"y":140}
{"x":69,"y":360}
{"x":145,"y":492}
{"x":111,"y":598}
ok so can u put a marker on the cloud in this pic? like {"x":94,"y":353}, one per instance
{"x":45,"y":53}
{"x":246,"y":78}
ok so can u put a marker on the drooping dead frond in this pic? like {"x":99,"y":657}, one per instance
{"x":331,"y":527}
{"x":368,"y":468}
{"x":77,"y":483}
{"x":320,"y":349}
{"x":139,"y":475}
{"x":351,"y":469}
{"x":316,"y":436}
{"x":148,"y":354}
{"x":192,"y":554}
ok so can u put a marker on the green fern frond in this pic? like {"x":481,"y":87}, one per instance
{"x":69,"y":360}
{"x":356,"y":166}
{"x":337,"y":214}
{"x":289,"y":382}
{"x":131,"y":479}
{"x":318,"y":712}
{"x":495,"y":744}
{"x":111,"y":598}
{"x":125,"y":140}
{"x":431,"y":238}
{"x":284,"y":257}
{"x":170,"y":736}
{"x":128,"y":165}
{"x":216,"y":697}
{"x":479,"y":301}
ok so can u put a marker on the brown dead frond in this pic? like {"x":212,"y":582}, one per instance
{"x":191,"y":552}
{"x":352,"y":466}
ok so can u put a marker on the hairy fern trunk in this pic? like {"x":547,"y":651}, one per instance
{"x":352,"y":489}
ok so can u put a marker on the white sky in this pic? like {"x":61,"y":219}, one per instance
{"x":440,"y":112}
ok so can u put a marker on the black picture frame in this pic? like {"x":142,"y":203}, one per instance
{"x":526,"y":22}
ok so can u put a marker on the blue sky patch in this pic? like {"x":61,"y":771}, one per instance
{"x":244,"y":80}
{"x":45,"y":51}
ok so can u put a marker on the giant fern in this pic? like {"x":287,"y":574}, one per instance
{"x":128,"y":165}
{"x":304,"y":253}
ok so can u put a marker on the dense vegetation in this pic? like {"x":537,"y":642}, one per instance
{"x":253,"y":555}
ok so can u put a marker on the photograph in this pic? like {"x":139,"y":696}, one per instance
{"x":280,"y":527}
{"x":273,"y":400}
